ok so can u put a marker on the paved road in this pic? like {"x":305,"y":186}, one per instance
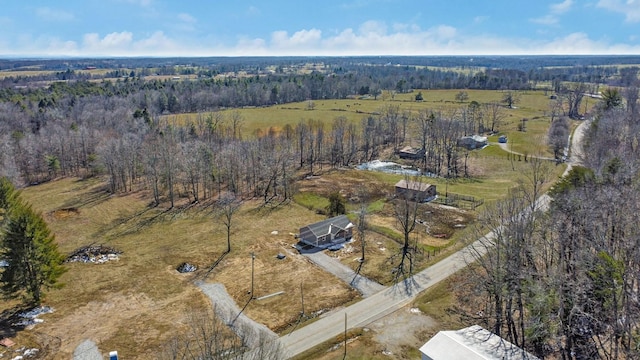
{"x":374,"y":307}
{"x":394,"y":298}
{"x":365,"y":286}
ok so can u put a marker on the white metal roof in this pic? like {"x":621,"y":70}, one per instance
{"x":472,"y":343}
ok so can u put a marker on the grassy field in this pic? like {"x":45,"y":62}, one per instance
{"x":136,"y":303}
{"x":533,"y":105}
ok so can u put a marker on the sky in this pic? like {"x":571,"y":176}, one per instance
{"x":122,"y":28}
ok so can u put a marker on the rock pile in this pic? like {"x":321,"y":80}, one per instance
{"x":186,"y":268}
{"x":96,"y":254}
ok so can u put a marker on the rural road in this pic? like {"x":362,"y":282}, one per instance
{"x":374,"y":307}
{"x":395,"y":297}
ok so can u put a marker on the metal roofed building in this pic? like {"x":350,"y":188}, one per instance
{"x":472,"y":343}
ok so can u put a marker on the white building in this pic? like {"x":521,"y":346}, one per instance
{"x":472,"y":343}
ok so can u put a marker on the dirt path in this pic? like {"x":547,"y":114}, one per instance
{"x":365,"y":286}
{"x":506,"y":148}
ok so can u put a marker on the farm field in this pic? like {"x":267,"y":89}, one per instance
{"x":533,"y":105}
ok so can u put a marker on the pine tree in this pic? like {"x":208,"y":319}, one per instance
{"x":336,"y":204}
{"x":34,"y":262}
{"x":7,"y":196}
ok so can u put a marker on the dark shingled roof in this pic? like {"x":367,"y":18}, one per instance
{"x":332,"y":225}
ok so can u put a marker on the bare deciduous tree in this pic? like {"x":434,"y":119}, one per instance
{"x":206,"y":337}
{"x":228,"y":205}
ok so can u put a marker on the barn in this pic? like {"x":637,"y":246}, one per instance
{"x":415,"y":191}
{"x":326,"y":233}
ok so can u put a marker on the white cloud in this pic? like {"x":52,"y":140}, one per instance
{"x":371,"y":38}
{"x":373,"y":27}
{"x":445,"y":32}
{"x":114,"y":41}
{"x":561,"y":7}
{"x":554,"y":11}
{"x":303,"y":39}
{"x":49,"y":14}
{"x":630,"y":8}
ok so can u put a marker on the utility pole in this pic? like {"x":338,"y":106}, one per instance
{"x":253,"y":257}
{"x":302,"y":298}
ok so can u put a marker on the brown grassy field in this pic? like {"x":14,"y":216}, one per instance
{"x":533,"y":105}
{"x":137,"y":303}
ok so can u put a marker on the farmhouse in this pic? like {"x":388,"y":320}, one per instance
{"x":411,"y":153}
{"x":472,"y":142}
{"x":326,"y":233}
{"x":414,"y":190}
{"x":472,"y":343}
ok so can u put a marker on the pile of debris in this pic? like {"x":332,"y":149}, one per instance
{"x":30,"y":318}
{"x":97,"y":254}
{"x":186,"y":268}
{"x":25,"y":352}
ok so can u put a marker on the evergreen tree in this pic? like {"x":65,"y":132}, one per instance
{"x":336,"y":204}
{"x":34,"y":262}
{"x":7,"y":196}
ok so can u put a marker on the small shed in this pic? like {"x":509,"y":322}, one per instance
{"x":415,"y":190}
{"x":472,"y":142}
{"x":472,"y":343}
{"x":411,"y":153}
{"x":326,"y":233}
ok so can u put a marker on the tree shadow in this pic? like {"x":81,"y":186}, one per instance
{"x":204,"y":275}
{"x":10,"y":317}
{"x":355,"y":277}
{"x":241,"y":311}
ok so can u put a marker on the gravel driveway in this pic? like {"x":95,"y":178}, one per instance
{"x":251,"y":332}
{"x":365,"y":286}
{"x":87,"y":350}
